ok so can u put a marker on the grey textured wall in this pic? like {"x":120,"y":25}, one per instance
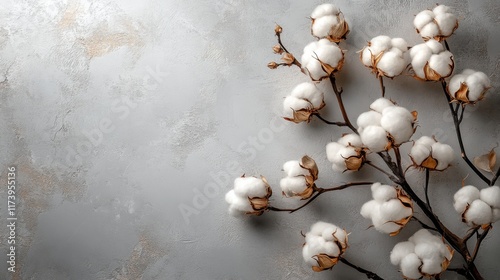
{"x":118,"y":113}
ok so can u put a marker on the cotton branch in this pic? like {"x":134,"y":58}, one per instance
{"x":319,"y":191}
{"x":338,"y":93}
{"x":369,"y":274}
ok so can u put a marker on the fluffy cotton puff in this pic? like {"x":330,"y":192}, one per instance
{"x":300,"y":177}
{"x":428,"y":153}
{"x":385,"y":56}
{"x":304,"y":100}
{"x":322,"y":58}
{"x":375,"y":138}
{"x":491,"y":196}
{"x":437,"y":24}
{"x":388,"y":211}
{"x":430,"y":62}
{"x":478,"y":207}
{"x":346,"y":154}
{"x":324,"y":245}
{"x":424,"y":254}
{"x":397,"y":121}
{"x":386,"y":125}
{"x":250,"y":195}
{"x":328,"y":22}
{"x":469,"y":86}
{"x":465,"y":196}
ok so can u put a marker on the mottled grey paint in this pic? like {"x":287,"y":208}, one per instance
{"x":117,"y":113}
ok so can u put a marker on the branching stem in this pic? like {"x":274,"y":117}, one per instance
{"x":369,"y":274}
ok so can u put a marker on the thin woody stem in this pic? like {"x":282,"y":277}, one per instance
{"x":369,"y":274}
{"x":471,"y":233}
{"x":381,"y":170}
{"x":459,"y":137}
{"x":295,"y":61}
{"x":319,"y":192}
{"x":382,"y":87}
{"x":426,"y":187}
{"x":329,"y":122}
{"x":424,"y":225}
{"x":338,"y":94}
{"x":480,"y":239}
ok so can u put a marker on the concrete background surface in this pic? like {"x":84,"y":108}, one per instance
{"x":117,"y":114}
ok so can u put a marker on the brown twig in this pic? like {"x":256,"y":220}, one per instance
{"x":480,"y":239}
{"x":369,"y":274}
{"x":329,"y":122}
{"x":426,"y":188}
{"x":338,"y":94}
{"x":382,"y":87}
{"x":459,"y":137}
{"x":424,"y":225}
{"x":319,"y":192}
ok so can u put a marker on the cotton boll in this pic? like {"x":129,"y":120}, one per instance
{"x":369,"y":208}
{"x":379,"y":44}
{"x":427,"y":250}
{"x":455,"y":83}
{"x":366,"y":56}
{"x":447,"y":23}
{"x":380,"y":104}
{"x":292,"y":103}
{"x":367,"y":119}
{"x":324,"y":10}
{"x":309,"y":92}
{"x":434,"y":46}
{"x":478,"y":213}
{"x":292,"y":168}
{"x":319,"y":227}
{"x":374,"y":138}
{"x":401,"y":250}
{"x":292,"y":186}
{"x":491,"y":196}
{"x":477,"y":83}
{"x":392,"y":63}
{"x":399,"y":43}
{"x":421,"y":236}
{"x":442,"y":63}
{"x":250,"y":187}
{"x":430,"y":30}
{"x":425,"y":141}
{"x":443,"y":154}
{"x":237,"y":205}
{"x":423,"y":18}
{"x":410,"y":266}
{"x":350,"y":139}
{"x":465,"y":196}
{"x":324,"y":50}
{"x":496,"y":215}
{"x":431,"y":266}
{"x":419,"y":153}
{"x":332,"y":150}
{"x":398,"y":122}
{"x":383,"y":193}
{"x":394,"y":210}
